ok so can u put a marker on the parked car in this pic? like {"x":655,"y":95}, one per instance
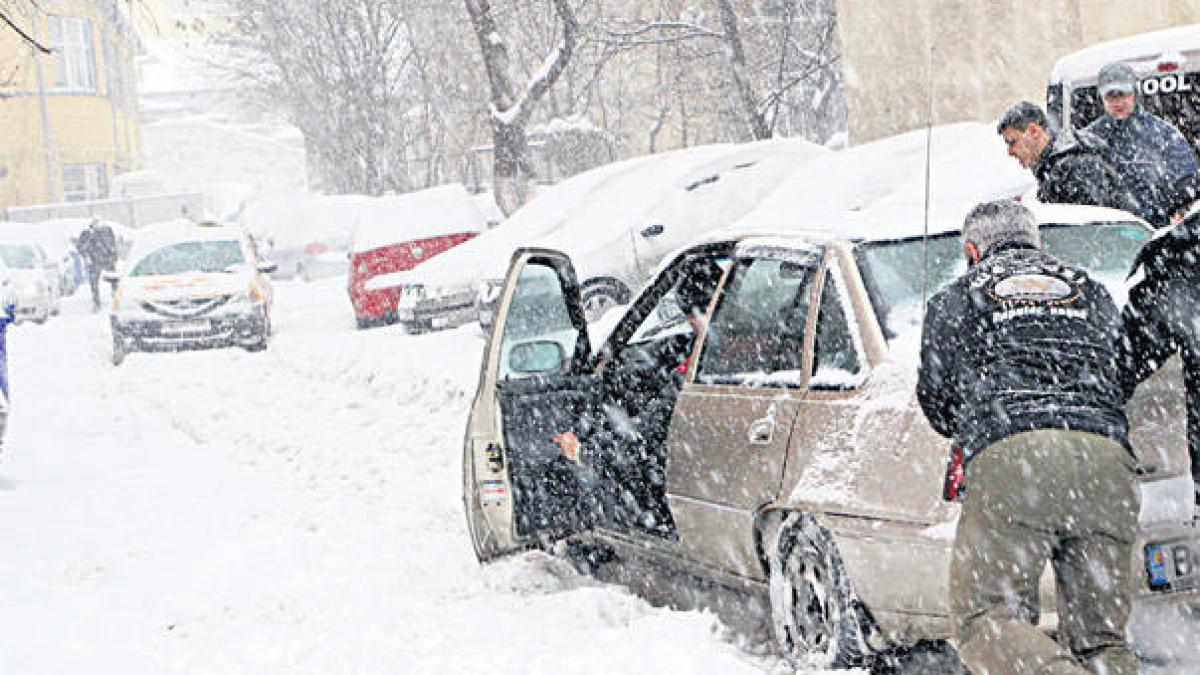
{"x":59,"y":250}
{"x":34,"y":280}
{"x":619,"y":221}
{"x":398,"y":233}
{"x":308,"y":236}
{"x":207,"y":289}
{"x":797,"y":463}
{"x":1167,"y":61}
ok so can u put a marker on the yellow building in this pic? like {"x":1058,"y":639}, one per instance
{"x":69,"y":119}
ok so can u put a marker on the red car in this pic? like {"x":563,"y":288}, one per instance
{"x":395,"y":234}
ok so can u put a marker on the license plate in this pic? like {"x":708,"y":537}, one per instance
{"x":182,"y":327}
{"x":1173,"y":566}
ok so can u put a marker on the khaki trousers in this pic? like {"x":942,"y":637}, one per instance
{"x":1067,"y":497}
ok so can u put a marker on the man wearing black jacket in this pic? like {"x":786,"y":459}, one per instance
{"x":1068,"y":171}
{"x":1019,"y":366}
{"x":1163,"y":317}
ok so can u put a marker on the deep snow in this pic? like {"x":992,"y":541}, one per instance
{"x":295,"y":511}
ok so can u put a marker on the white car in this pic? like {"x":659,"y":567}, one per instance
{"x":617,"y":222}
{"x":34,"y":286}
{"x":207,"y":289}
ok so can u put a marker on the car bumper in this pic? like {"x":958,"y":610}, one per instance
{"x":454,"y":309}
{"x":161,"y":334}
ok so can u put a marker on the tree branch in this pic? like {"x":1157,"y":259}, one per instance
{"x":25,"y":36}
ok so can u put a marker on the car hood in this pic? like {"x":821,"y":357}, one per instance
{"x":191,"y":285}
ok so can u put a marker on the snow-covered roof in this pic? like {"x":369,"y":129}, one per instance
{"x":446,"y":209}
{"x":1083,"y":65}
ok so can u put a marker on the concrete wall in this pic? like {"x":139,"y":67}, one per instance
{"x":985,"y":53}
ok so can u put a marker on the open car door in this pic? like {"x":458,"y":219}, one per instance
{"x":518,"y":487}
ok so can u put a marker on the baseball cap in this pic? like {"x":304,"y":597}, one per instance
{"x":1116,"y":77}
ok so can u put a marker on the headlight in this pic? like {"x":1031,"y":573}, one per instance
{"x":33,"y":287}
{"x":414,"y":292}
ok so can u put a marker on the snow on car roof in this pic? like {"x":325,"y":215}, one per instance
{"x":878,"y":189}
{"x":1085,"y":64}
{"x":447,"y":209}
{"x":596,"y":205}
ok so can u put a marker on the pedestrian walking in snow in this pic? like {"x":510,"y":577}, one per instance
{"x":98,"y":246}
{"x":1160,"y":318}
{"x":1148,"y":153}
{"x":1068,"y":170}
{"x":1019,"y":367}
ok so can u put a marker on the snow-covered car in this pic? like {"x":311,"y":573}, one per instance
{"x":395,"y":234}
{"x":207,"y":289}
{"x":796,"y":464}
{"x":34,"y":280}
{"x":619,"y":221}
{"x":1167,"y":61}
{"x":307,"y":236}
{"x":60,"y":252}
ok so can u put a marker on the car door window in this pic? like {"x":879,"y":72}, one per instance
{"x":539,"y":337}
{"x":838,"y":360}
{"x":756,"y":336}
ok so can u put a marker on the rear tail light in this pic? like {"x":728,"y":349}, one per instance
{"x":1168,"y":66}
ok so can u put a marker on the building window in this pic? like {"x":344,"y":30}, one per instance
{"x":82,"y":182}
{"x":74,"y":53}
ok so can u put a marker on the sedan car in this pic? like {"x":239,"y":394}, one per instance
{"x":206,"y":290}
{"x":34,"y":281}
{"x":795,"y":462}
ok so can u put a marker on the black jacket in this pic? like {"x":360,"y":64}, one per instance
{"x":99,"y":246}
{"x":1149,"y":155}
{"x":1163,"y":316}
{"x":1021,"y":342}
{"x":1073,"y":171}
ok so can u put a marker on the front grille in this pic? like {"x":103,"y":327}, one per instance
{"x":185,"y":308}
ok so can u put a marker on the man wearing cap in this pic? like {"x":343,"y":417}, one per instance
{"x":1068,"y":170}
{"x":1019,"y":367}
{"x":1148,"y":153}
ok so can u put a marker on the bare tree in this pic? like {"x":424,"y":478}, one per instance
{"x":510,"y":109}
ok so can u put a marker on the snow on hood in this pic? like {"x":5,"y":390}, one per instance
{"x":1085,"y":64}
{"x":192,"y":285}
{"x":877,"y":190}
{"x":443,"y":210}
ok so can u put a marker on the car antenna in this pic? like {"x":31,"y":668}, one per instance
{"x":928,"y":155}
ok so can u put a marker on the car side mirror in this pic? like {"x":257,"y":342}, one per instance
{"x":654,"y":230}
{"x":542,"y":356}
{"x":268,"y":267}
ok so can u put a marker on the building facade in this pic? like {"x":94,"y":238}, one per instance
{"x":969,"y":59}
{"x":70,"y":117}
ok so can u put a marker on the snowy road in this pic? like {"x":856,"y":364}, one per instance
{"x":296,"y":511}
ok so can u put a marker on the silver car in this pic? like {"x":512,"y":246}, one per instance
{"x":796,"y":463}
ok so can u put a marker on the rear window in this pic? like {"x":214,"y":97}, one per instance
{"x":892,"y":269}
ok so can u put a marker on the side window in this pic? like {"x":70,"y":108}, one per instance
{"x":838,"y":362}
{"x":539,"y":336}
{"x":757,"y":332}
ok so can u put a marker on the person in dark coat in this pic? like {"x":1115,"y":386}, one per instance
{"x":1068,"y":170}
{"x":1161,"y":318}
{"x":1019,"y":366}
{"x":1149,"y":154}
{"x":98,"y":246}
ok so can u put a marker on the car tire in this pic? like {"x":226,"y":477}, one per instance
{"x":41,"y":319}
{"x":598,"y":297}
{"x":817,"y":622}
{"x":263,"y":338}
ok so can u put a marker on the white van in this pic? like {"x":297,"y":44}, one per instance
{"x":1167,"y":61}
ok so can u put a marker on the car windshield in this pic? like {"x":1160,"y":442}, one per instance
{"x":892,"y":269}
{"x":191,"y":256}
{"x":19,"y":257}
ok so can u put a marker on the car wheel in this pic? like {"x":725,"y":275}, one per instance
{"x":816,"y":620}
{"x":598,"y":298}
{"x":263,"y":338}
{"x":118,"y":350}
{"x":41,"y":319}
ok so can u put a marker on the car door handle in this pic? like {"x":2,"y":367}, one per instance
{"x":762,"y":431}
